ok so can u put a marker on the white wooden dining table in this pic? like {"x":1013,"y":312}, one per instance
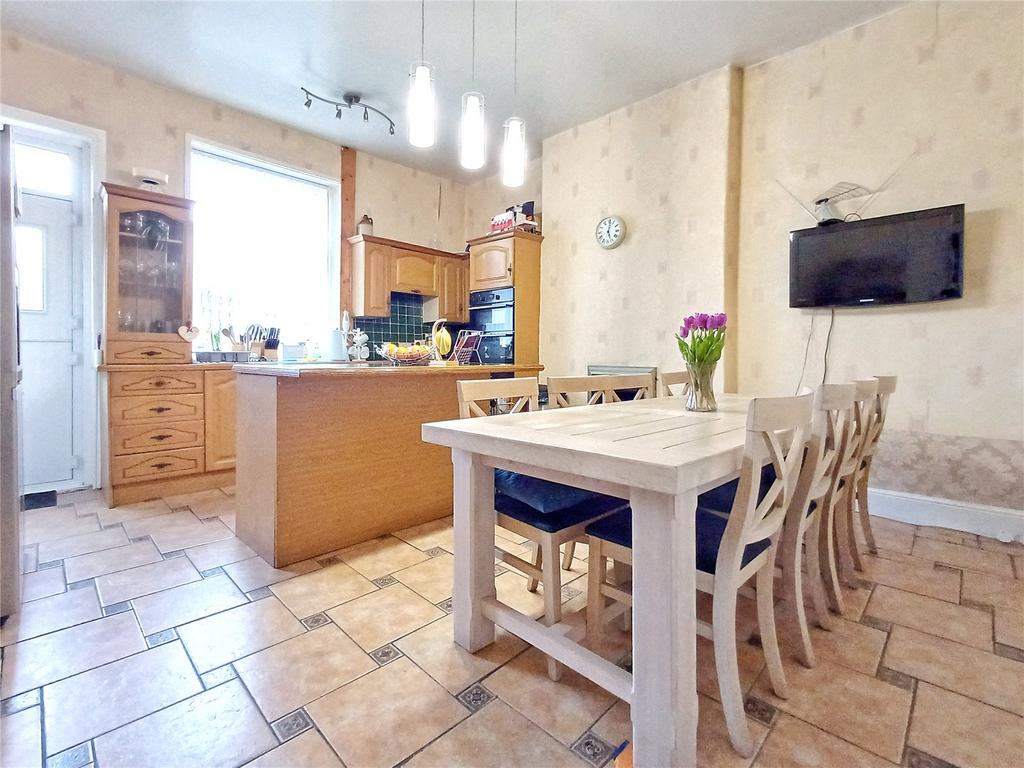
{"x":657,"y":455}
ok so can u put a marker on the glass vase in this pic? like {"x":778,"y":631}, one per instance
{"x":701,"y":395}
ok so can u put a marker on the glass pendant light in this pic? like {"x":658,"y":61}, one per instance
{"x":513,"y":151}
{"x":473,"y":131}
{"x":421,"y":109}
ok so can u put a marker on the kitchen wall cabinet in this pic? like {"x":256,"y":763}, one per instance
{"x":149,"y":276}
{"x":414,"y":272}
{"x":452,"y":302}
{"x":381,"y":266}
{"x":371,"y":279}
{"x":512,"y":259}
{"x":219,"y":401}
{"x":491,"y":264}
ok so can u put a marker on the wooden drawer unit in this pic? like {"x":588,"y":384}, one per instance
{"x":151,"y":409}
{"x":156,"y":437}
{"x":147,"y":353}
{"x":155,"y":466}
{"x":156,"y":382}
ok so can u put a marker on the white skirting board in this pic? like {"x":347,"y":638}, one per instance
{"x":1000,"y":523}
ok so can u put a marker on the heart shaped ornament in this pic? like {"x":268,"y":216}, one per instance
{"x":188,"y":332}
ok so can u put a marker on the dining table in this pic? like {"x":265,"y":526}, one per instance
{"x":657,"y":455}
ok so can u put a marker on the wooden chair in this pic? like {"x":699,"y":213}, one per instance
{"x":546,"y":531}
{"x":731,"y":549}
{"x":671,"y":379}
{"x":598,"y":389}
{"x":833,"y":409}
{"x":843,"y":494}
{"x":886,"y":386}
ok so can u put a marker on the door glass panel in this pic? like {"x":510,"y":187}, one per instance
{"x":43,"y":170}
{"x":150,"y":272}
{"x":29,"y":249}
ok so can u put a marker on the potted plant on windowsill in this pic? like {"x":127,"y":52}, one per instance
{"x":701,"y":338}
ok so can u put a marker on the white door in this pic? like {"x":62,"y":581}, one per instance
{"x":43,"y":242}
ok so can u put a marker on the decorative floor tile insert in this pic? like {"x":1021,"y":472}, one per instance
{"x":385,"y":581}
{"x":593,"y":749}
{"x":19,"y":702}
{"x":446,"y":605}
{"x":159,"y":638}
{"x":291,"y":725}
{"x":316,"y":620}
{"x":475,"y":697}
{"x":385,"y":654}
{"x":76,"y":757}
{"x":760,"y":710}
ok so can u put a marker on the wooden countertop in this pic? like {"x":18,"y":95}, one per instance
{"x":300,"y":370}
{"x":128,"y":368}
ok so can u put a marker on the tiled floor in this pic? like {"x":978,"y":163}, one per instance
{"x":151,"y":636}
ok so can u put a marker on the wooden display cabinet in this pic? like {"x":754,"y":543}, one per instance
{"x":149,"y":276}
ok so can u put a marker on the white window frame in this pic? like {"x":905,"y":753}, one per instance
{"x":333,"y":185}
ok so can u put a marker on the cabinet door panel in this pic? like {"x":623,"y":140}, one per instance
{"x":490,"y":266}
{"x":371,"y":280}
{"x":219,"y":397}
{"x":415,"y":273}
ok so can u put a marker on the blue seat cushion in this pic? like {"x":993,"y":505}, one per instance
{"x":618,"y":529}
{"x":721,"y":497}
{"x":552,"y":522}
{"x":542,"y":495}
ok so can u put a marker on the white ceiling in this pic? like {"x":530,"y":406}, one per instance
{"x":577,"y":60}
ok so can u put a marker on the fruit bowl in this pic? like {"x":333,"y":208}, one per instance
{"x":406,"y":354}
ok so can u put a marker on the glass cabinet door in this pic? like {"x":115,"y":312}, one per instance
{"x":151,"y":291}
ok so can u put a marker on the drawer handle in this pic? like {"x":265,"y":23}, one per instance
{"x":160,"y":437}
{"x":162,"y":465}
{"x":160,"y":409}
{"x":151,"y":353}
{"x":159,"y":383}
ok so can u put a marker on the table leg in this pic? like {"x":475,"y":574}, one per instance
{"x":664,"y":707}
{"x":474,"y":550}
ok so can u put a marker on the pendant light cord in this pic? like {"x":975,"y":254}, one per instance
{"x":472,"y":65}
{"x":515,"y":54}
{"x":423,"y":26}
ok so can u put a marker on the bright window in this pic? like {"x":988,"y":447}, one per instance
{"x":43,"y":170}
{"x":30,"y":252}
{"x":262,"y":249}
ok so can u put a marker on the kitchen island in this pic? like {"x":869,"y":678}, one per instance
{"x":330,"y":455}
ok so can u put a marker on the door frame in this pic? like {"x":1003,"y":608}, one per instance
{"x":89,"y":241}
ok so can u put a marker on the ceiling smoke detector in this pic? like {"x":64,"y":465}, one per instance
{"x":148,"y":178}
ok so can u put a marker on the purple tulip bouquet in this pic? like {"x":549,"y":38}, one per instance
{"x":701,"y":338}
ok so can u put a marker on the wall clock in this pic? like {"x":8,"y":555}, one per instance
{"x":610,"y":232}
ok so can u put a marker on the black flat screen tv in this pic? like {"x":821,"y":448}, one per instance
{"x":900,"y":259}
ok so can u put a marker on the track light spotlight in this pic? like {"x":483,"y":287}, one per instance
{"x":309,"y":101}
{"x":337,"y":113}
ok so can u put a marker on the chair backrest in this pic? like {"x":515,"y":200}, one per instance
{"x":524,"y":392}
{"x":830,"y":434}
{"x":598,"y":389}
{"x":864,"y":404}
{"x":670,"y":379}
{"x":886,"y":386}
{"x":777,"y":430}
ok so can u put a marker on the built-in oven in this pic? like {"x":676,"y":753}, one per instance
{"x":492,"y":311}
{"x":493,"y":314}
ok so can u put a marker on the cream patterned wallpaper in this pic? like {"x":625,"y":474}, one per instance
{"x":486,"y":197}
{"x":146,"y":126}
{"x":661,"y":164}
{"x":410,"y":205}
{"x":943,"y":81}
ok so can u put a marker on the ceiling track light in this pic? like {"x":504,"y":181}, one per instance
{"x":349,"y":101}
